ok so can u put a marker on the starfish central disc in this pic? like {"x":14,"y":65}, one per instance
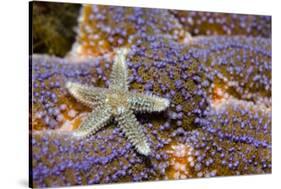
{"x":117,"y":101}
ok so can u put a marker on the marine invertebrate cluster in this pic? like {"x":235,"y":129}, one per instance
{"x":51,"y":106}
{"x":232,"y":139}
{"x":218,"y":122}
{"x":240,"y":65}
{"x":172,"y":69}
{"x":103,"y":28}
{"x":179,"y":129}
{"x":208,"y":23}
{"x":235,"y":136}
{"x":61,"y":159}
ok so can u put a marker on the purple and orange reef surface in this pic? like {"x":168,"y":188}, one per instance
{"x":215,"y":72}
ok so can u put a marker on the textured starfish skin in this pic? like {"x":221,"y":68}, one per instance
{"x":116,"y":102}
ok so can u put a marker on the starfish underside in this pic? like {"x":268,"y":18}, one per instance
{"x":116,"y":102}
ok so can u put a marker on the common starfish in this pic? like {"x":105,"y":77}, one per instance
{"x":118,"y":102}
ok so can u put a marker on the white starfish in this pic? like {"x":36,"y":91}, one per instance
{"x":118,"y":102}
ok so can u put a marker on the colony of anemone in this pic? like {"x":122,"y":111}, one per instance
{"x":103,"y":28}
{"x":218,"y":122}
{"x":240,"y":66}
{"x":208,"y":23}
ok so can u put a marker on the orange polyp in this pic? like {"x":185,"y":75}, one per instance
{"x":73,"y":124}
{"x":76,"y":122}
{"x":179,"y":166}
{"x":219,"y":94}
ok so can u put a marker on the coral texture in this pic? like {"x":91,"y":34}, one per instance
{"x":219,"y":87}
{"x":103,"y":28}
{"x":208,"y":23}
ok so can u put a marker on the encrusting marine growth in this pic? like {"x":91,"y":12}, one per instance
{"x":117,"y":101}
{"x":219,"y":88}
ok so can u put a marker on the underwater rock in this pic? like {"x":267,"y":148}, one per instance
{"x":208,"y":23}
{"x":53,"y":27}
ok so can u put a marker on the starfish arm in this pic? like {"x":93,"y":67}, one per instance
{"x":97,"y":119}
{"x":133,"y":131}
{"x":118,"y":77}
{"x":147,"y":102}
{"x":88,"y":95}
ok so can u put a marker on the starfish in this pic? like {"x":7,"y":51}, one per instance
{"x":116,"y":102}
